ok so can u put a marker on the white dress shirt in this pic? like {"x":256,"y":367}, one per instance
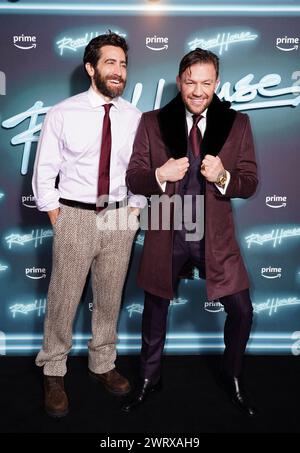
{"x":70,"y":144}
{"x":202,"y":127}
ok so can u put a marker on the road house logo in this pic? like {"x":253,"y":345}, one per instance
{"x":134,"y":308}
{"x":25,"y":42}
{"x":38,"y":307}
{"x":138,"y":308}
{"x":222,"y":41}
{"x":157,"y":43}
{"x":271,"y":272}
{"x":287,"y":44}
{"x":35,"y":273}
{"x":28,"y":201}
{"x":274,"y":237}
{"x":35,"y":238}
{"x":249,"y":92}
{"x":273,"y":304}
{"x":275,"y":201}
{"x":213,"y":306}
{"x":71,"y":44}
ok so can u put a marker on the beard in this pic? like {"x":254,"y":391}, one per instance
{"x":109,"y":91}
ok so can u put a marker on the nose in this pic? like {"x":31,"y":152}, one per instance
{"x":120,"y":70}
{"x":117,"y":70}
{"x":198,"y":91}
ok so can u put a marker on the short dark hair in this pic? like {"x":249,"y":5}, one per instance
{"x":92,"y":51}
{"x":199,"y":56}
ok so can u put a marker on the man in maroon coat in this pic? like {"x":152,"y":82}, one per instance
{"x":195,"y":145}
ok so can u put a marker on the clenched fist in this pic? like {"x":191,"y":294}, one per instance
{"x":173,"y":170}
{"x":211,"y":168}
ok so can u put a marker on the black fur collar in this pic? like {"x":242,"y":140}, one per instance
{"x":172,"y":121}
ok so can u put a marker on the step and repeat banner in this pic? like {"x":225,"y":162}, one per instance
{"x":41,"y":64}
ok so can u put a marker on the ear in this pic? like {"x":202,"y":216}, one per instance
{"x":178,"y":82}
{"x":90,"y":70}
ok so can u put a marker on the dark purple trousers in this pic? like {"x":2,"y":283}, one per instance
{"x":237,"y":327}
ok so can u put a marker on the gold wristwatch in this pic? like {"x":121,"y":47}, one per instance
{"x":222,"y":178}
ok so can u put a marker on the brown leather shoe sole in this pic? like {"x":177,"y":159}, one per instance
{"x":56,"y":414}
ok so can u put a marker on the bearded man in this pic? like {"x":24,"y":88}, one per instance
{"x":87,"y":141}
{"x":194,"y":148}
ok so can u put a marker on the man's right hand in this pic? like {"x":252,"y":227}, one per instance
{"x":173,"y":170}
{"x":53,"y":215}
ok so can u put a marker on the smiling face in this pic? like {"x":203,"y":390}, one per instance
{"x":109,"y":75}
{"x":197,"y":85}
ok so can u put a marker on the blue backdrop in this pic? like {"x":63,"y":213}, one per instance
{"x":40,"y":65}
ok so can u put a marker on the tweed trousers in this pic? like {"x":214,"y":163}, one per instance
{"x":85,"y":241}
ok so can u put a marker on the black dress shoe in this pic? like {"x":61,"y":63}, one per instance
{"x":234,"y":389}
{"x":145,"y":388}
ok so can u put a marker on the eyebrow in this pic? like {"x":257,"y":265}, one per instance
{"x":192,"y":80}
{"x":113,"y":59}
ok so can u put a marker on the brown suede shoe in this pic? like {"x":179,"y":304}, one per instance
{"x":112,"y":381}
{"x":56,"y":400}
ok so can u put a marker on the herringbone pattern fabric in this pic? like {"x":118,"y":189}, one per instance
{"x":82,"y":241}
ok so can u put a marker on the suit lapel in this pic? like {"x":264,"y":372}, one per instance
{"x":219,"y":121}
{"x":173,"y":127}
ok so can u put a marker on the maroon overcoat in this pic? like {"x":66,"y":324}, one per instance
{"x":163,"y":134}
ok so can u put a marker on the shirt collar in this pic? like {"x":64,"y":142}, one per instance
{"x":190,"y":115}
{"x":97,"y":100}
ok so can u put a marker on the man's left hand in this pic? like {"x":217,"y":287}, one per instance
{"x":134,"y":211}
{"x":211,"y":168}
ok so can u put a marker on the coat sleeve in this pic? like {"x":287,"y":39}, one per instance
{"x":140,"y":176}
{"x":243,"y":178}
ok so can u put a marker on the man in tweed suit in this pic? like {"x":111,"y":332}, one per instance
{"x":87,"y":140}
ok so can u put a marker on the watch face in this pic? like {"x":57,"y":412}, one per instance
{"x":222,"y":180}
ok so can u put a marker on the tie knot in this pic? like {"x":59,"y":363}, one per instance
{"x":107,"y":107}
{"x":196,"y":119}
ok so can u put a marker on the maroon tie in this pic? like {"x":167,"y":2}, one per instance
{"x":104,"y":163}
{"x":195,"y":136}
